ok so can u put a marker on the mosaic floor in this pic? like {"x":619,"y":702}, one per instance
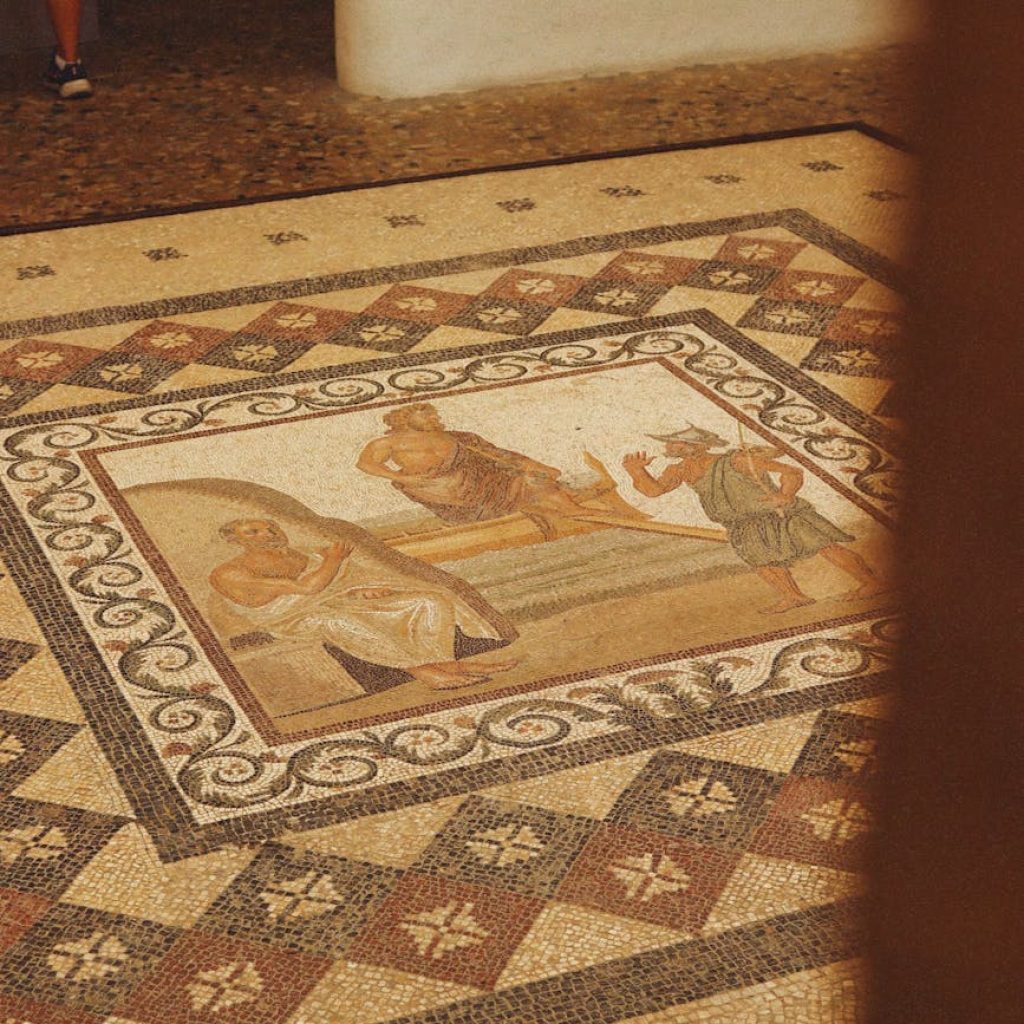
{"x":454,"y":601}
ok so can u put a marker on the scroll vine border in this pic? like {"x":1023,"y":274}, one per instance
{"x":154,"y":655}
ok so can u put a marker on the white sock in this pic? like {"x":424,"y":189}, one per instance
{"x":61,"y":62}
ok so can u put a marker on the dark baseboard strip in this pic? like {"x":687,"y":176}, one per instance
{"x":225,"y":204}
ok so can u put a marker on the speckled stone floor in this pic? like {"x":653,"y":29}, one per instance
{"x":211,"y":102}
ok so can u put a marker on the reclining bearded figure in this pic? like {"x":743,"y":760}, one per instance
{"x":383,"y":625}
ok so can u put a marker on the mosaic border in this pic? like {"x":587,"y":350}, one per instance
{"x":174,"y":829}
{"x":673,"y":975}
{"x":799,"y":222}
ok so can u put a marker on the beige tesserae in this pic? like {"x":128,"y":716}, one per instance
{"x":465,"y":600}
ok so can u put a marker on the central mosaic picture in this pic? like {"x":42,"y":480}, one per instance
{"x":355,"y":566}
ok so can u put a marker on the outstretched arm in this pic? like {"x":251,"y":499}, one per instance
{"x":648,"y":485}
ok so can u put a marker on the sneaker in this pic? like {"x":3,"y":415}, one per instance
{"x":70,"y":80}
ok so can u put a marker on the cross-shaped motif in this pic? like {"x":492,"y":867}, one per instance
{"x":649,"y":875}
{"x":40,"y":270}
{"x":312,"y":895}
{"x":404,"y":220}
{"x":623,"y":191}
{"x":509,"y":844}
{"x":88,"y":959}
{"x":838,"y":820}
{"x":167,"y":253}
{"x":37,"y":842}
{"x":220,"y":987}
{"x":281,"y":237}
{"x":702,"y":796}
{"x":443,"y":929}
{"x":516,"y":205}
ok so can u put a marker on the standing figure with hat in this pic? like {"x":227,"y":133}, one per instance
{"x":769,"y":526}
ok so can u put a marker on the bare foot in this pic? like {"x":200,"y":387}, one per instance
{"x":450,"y":675}
{"x":487,"y":665}
{"x":438,"y":678}
{"x":786,"y":604}
{"x":871,"y":588}
{"x":457,"y":682}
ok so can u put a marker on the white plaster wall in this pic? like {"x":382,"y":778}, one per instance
{"x":422,"y":47}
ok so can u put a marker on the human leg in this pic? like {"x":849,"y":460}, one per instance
{"x":66,"y":17}
{"x":853,"y":565}
{"x":66,"y":73}
{"x":782,"y":582}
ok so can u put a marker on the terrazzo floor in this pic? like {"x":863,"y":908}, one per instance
{"x":213,"y":102}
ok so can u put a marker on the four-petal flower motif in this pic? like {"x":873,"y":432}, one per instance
{"x":90,"y":959}
{"x":788,"y":316}
{"x":649,"y":875}
{"x":41,"y":359}
{"x":254,"y":353}
{"x":729,"y":278}
{"x":535,"y":286}
{"x":615,"y":298}
{"x":382,"y":333}
{"x":507,"y":845}
{"x":121,"y":373}
{"x":499,"y":315}
{"x":444,"y":929}
{"x":756,"y":251}
{"x":170,"y":339}
{"x":417,"y":303}
{"x":296,"y":321}
{"x":231,"y":984}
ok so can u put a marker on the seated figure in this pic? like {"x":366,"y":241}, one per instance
{"x":385,"y":626}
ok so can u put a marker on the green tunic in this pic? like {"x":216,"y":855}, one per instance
{"x":762,"y":535}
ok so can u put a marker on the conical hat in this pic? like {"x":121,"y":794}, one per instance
{"x":693,"y":435}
